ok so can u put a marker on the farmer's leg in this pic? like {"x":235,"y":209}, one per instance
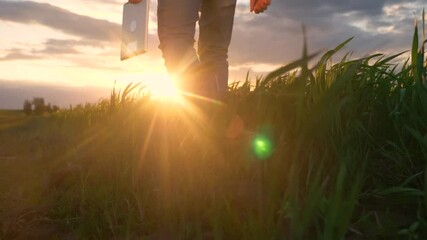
{"x":176,"y":28}
{"x":216,"y":26}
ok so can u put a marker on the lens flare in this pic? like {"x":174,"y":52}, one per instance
{"x":262,"y":146}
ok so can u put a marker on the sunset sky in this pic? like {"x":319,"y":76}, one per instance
{"x":68,"y":51}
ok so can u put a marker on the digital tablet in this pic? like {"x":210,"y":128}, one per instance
{"x":135,"y":29}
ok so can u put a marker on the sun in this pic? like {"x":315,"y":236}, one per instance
{"x":160,"y":86}
{"x":165,"y":89}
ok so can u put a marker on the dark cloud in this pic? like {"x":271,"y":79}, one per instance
{"x":275,"y":37}
{"x":314,"y":11}
{"x":60,"y":19}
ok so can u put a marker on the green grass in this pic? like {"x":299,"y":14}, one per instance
{"x":9,"y":118}
{"x":334,"y":151}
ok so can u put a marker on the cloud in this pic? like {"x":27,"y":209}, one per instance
{"x":52,"y":47}
{"x":60,"y":46}
{"x":275,"y":37}
{"x":90,"y":32}
{"x":29,"y":12}
{"x":17,"y":54}
{"x":320,"y":11}
{"x":272,"y":38}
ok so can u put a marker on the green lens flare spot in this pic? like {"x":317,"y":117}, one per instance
{"x":262,"y":147}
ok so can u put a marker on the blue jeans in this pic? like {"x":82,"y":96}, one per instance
{"x":204,"y":72}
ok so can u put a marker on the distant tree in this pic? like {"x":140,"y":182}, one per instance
{"x":28,"y":107}
{"x":39,"y":106}
{"x":48,"y":108}
{"x":55,"y":108}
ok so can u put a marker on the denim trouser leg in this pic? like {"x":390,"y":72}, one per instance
{"x":176,"y":29}
{"x":216,"y":26}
